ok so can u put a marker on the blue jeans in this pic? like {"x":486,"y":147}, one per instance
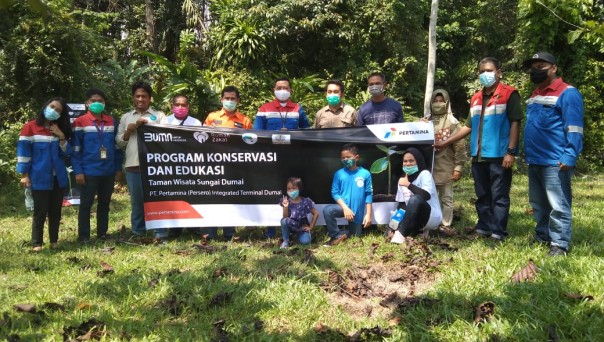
{"x":333,"y":211}
{"x":304,"y":238}
{"x":227,"y":232}
{"x":137,"y":216}
{"x":492,"y":185}
{"x":550,"y":197}
{"x":102,"y":188}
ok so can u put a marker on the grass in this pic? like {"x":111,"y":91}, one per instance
{"x":176,"y":293}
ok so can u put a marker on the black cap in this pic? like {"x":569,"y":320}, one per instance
{"x":540,"y":56}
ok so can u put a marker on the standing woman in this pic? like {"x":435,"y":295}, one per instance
{"x":43,"y":144}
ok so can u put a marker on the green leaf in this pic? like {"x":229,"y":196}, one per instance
{"x":379,"y":165}
{"x":382,"y":148}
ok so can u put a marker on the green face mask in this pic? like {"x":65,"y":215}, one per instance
{"x":96,"y":107}
{"x":333,"y":99}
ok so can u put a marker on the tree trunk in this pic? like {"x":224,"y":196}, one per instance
{"x":149,"y":21}
{"x":431,"y":57}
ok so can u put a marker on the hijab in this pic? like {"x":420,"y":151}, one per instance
{"x":419,"y":159}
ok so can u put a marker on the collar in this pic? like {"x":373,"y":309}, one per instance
{"x":289,"y":104}
{"x":237,"y":114}
{"x":104,"y":117}
{"x":552,"y":87}
{"x":341,"y":106}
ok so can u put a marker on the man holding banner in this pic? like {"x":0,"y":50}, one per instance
{"x":127,"y":138}
{"x":280,"y":114}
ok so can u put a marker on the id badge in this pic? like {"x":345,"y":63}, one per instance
{"x":103,"y":153}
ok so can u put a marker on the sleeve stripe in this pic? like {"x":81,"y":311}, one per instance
{"x":23,"y":159}
{"x":574,"y":129}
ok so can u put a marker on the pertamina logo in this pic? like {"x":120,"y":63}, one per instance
{"x":391,"y":133}
{"x":201,"y":136}
{"x":158,"y":136}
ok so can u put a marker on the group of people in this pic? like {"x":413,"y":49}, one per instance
{"x":101,"y":147}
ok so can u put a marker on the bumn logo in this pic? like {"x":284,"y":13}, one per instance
{"x":157,"y":136}
{"x":249,"y":138}
{"x":201,"y":136}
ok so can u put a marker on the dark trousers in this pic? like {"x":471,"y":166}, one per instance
{"x":492,"y":185}
{"x":46,"y":203}
{"x":417,"y":214}
{"x":102,"y":188}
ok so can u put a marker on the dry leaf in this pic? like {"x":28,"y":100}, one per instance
{"x":372,"y":249}
{"x":484,"y":312}
{"x":529,"y":272}
{"x":320,"y":328}
{"x":395,"y":321}
{"x":84,"y":305}
{"x":579,"y":296}
{"x":221,"y":272}
{"x":29,"y":308}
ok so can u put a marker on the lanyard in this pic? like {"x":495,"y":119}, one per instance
{"x":283,"y":119}
{"x":100,"y":131}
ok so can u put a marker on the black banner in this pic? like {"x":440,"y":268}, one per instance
{"x":208,"y":176}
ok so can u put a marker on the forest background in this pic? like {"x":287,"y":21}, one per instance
{"x":63,"y":47}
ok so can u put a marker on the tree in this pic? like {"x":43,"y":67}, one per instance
{"x":431,"y":57}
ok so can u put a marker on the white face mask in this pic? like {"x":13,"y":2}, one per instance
{"x":375,"y":90}
{"x":282,"y":95}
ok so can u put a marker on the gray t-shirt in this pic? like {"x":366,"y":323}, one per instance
{"x":387,"y":111}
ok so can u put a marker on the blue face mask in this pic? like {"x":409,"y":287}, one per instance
{"x":51,"y":114}
{"x":348,"y":163}
{"x":487,"y":78}
{"x":293,"y":194}
{"x":410,"y":169}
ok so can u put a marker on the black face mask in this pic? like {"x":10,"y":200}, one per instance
{"x":538,"y":75}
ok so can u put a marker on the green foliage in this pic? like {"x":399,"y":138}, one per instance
{"x":8,"y":153}
{"x":116,"y":81}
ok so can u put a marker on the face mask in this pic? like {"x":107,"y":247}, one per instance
{"x":96,"y":107}
{"x":375,"y":90}
{"x":348,"y":163}
{"x":229,"y":105}
{"x":439,"y":108}
{"x":293,"y":194}
{"x":538,"y":75}
{"x":410,"y":169}
{"x":180,"y":113}
{"x":51,"y":114}
{"x":333,"y":99}
{"x":282,"y":95}
{"x":487,"y":78}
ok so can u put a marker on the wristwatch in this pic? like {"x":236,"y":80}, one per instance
{"x":512,"y":151}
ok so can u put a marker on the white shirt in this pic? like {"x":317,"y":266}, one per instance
{"x":424,"y":181}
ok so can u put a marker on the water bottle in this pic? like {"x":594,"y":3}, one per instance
{"x":29,"y":200}
{"x":396,"y":218}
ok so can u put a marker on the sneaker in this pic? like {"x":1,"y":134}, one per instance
{"x":447,"y":231}
{"x":398,"y":238}
{"x":335,"y":241}
{"x":37,"y":248}
{"x":284,"y":245}
{"x":497,"y":238}
{"x":54,"y":245}
{"x":556,"y":251}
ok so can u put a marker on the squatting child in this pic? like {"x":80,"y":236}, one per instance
{"x":295,"y":214}
{"x":352,"y":190}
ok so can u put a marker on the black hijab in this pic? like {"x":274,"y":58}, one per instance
{"x":419,"y":159}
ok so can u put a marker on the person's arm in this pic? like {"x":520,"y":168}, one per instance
{"x":24,"y":155}
{"x":336,"y":194}
{"x":315,"y":217}
{"x":360,"y":121}
{"x":459,"y":148}
{"x":318,"y":118}
{"x":368,"y":202}
{"x":260,"y":121}
{"x":355,"y":118}
{"x":302,"y":118}
{"x":285,"y":205}
{"x":76,"y":156}
{"x":399,"y":113}
{"x":571,"y":105}
{"x":118,"y":155}
{"x":123,"y":132}
{"x":461,"y":133}
{"x":515,"y":114}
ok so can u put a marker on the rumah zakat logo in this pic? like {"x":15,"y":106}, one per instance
{"x":201,"y":136}
{"x":249,"y":138}
{"x":391,"y":133}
